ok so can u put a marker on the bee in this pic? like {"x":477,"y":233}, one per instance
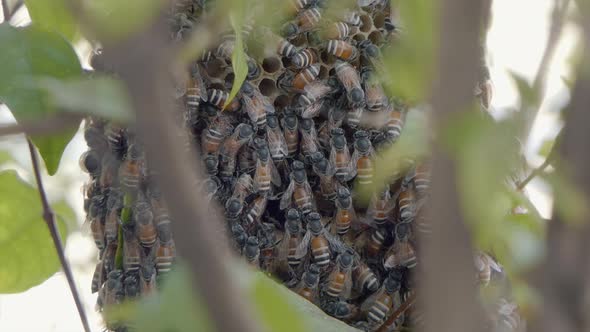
{"x":95,"y":138}
{"x":131,"y":251}
{"x":287,"y":260}
{"x":305,"y":76}
{"x":345,"y":217}
{"x":256,"y":105}
{"x":239,"y":236}
{"x":219,"y":97}
{"x":90,"y":162}
{"x":380,"y":207}
{"x":268,"y":242}
{"x":147,"y":277}
{"x":325,"y":171}
{"x":371,"y":242}
{"x":114,"y":205}
{"x":484,"y":88}
{"x":234,"y":205}
{"x":317,"y":240}
{"x":252,"y":251}
{"x":131,"y":285}
{"x":112,"y":292}
{"x":351,"y":81}
{"x":247,"y":158}
{"x":98,"y":277}
{"x":336,"y":30}
{"x":165,"y":250}
{"x":109,"y":169}
{"x":364,"y":277}
{"x":406,"y":203}
{"x":284,"y":48}
{"x":362,"y":158}
{"x":253,"y":70}
{"x":298,"y":191}
{"x":195,"y":92}
{"x":97,"y":214}
{"x":395,"y":123}
{"x":401,"y":253}
{"x":336,"y":116}
{"x":217,"y":130}
{"x":131,"y":168}
{"x":354,"y":116}
{"x":297,"y":6}
{"x":277,"y":145}
{"x":226,"y":48}
{"x":308,"y":286}
{"x":343,"y":311}
{"x":256,"y":209}
{"x":507,"y":317}
{"x":339,"y":282}
{"x":211,"y":164}
{"x":312,"y":110}
{"x":340,"y":156}
{"x":342,"y":50}
{"x":117,"y":139}
{"x":144,"y":221}
{"x":308,"y":19}
{"x":309,"y":138}
{"x":422,"y":179}
{"x":230,"y":147}
{"x":376,"y":99}
{"x":266,"y":172}
{"x":485,"y":266}
{"x":380,"y":305}
{"x":353,"y":18}
{"x":108,"y":257}
{"x":291,"y":131}
{"x":304,"y":58}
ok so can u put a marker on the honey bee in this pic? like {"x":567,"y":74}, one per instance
{"x":364,"y":277}
{"x":230,"y":147}
{"x":277,"y":145}
{"x":256,"y":105}
{"x":291,"y":131}
{"x":406,"y":203}
{"x":195,"y":92}
{"x":108,"y":257}
{"x":109,"y":169}
{"x":337,"y":30}
{"x":268,"y":242}
{"x":117,"y":139}
{"x":247,"y":158}
{"x":353,"y":18}
{"x":308,"y":286}
{"x":351,"y":81}
{"x":343,"y":310}
{"x":131,"y":251}
{"x":131,"y":285}
{"x":284,"y":48}
{"x":401,"y":253}
{"x":305,"y":76}
{"x":381,"y":304}
{"x":90,"y":162}
{"x":345,"y":216}
{"x":131,"y":168}
{"x":339,"y":282}
{"x":380,"y":207}
{"x":145,"y":228}
{"x":256,"y":209}
{"x":217,"y":130}
{"x":395,"y":123}
{"x":244,"y":186}
{"x":376,"y":99}
{"x":308,"y":19}
{"x":325,"y":171}
{"x":114,"y":205}
{"x":422,"y":179}
{"x":266,"y":172}
{"x":95,"y":138}
{"x":287,"y":262}
{"x":362,"y":158}
{"x":371,"y":242}
{"x":297,"y":6}
{"x":98,"y":277}
{"x":304,"y":58}
{"x":336,"y":116}
{"x":342,"y":50}
{"x":319,"y":242}
{"x":485,"y":266}
{"x":147,"y":277}
{"x":309,"y":138}
{"x":112,"y":292}
{"x":299,"y":190}
{"x":226,"y":48}
{"x":211,"y":164}
{"x":252,"y":251}
{"x":165,"y":250}
{"x":219,"y":97}
{"x":97,"y":214}
{"x":354,"y":116}
{"x":340,"y":156}
{"x":254,"y":70}
{"x":239,"y":236}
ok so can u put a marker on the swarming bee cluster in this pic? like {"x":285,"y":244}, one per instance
{"x":283,"y":159}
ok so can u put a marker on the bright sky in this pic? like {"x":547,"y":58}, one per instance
{"x":515,"y":43}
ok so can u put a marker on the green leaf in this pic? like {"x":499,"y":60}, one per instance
{"x":27,"y":54}
{"x":52,"y":15}
{"x":546,"y":147}
{"x":570,"y":202}
{"x":238,"y":60}
{"x":100,"y":96}
{"x":27,"y":252}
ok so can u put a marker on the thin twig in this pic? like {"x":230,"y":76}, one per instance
{"x":49,"y":218}
{"x":396,"y":314}
{"x":49,"y":125}
{"x":535,"y":172}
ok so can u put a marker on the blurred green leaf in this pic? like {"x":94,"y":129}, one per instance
{"x":546,"y":147}
{"x":5,"y":157}
{"x":52,"y":15}
{"x":113,"y":20}
{"x":27,"y":252}
{"x":528,"y":95}
{"x":569,"y":201}
{"x":238,"y":60}
{"x":27,"y":54}
{"x":408,"y":64}
{"x":101,"y":96}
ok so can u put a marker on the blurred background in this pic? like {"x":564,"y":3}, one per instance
{"x":514,"y":46}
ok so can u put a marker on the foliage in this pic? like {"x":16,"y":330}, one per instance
{"x":26,"y":249}
{"x":238,"y":59}
{"x":53,"y":15}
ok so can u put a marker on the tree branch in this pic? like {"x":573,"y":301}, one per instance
{"x":49,"y":218}
{"x":143,"y":60}
{"x":49,"y":125}
{"x":447,"y":255}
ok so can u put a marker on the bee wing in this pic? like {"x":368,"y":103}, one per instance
{"x":310,"y":193}
{"x":312,"y":110}
{"x":390,"y":258}
{"x":303,"y":247}
{"x":275,"y":177}
{"x":336,"y":245}
{"x":492,"y":263}
{"x":352,"y":164}
{"x":347,"y":284}
{"x":286,"y":199}
{"x":277,"y":140}
{"x":316,"y":89}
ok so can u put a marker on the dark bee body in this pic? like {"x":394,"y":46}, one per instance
{"x":219,"y":97}
{"x":354,"y":116}
{"x":299,"y":191}
{"x":339,"y":282}
{"x":147,"y":278}
{"x":98,"y":277}
{"x":214,"y":134}
{"x":349,"y":77}
{"x":379,"y":305}
{"x":337,"y":30}
{"x":131,"y":252}
{"x":90,"y":162}
{"x":112,"y":291}
{"x":340,"y":156}
{"x":256,"y":105}
{"x":309,"y":138}
{"x":145,"y":228}
{"x":375,"y":242}
{"x":304,"y":58}
{"x":117,"y":139}
{"x":230,"y":147}
{"x":362,"y":158}
{"x":114,"y":205}
{"x":97,"y":214}
{"x":256,"y":209}
{"x":345,"y":214}
{"x":252,"y":251}
{"x":305,"y":76}
{"x":342,"y":50}
{"x":291,"y":132}
{"x":277,"y":144}
{"x":365,"y":277}
{"x":380,"y":207}
{"x":131,"y":168}
{"x":395,"y":123}
{"x":308,"y":286}
{"x":195,"y":92}
{"x":166,"y":250}
{"x":401,"y":253}
{"x":325,"y":171}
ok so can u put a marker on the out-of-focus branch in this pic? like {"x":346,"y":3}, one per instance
{"x":48,"y":125}
{"x":447,"y":255}
{"x":49,"y":218}
{"x":143,"y":60}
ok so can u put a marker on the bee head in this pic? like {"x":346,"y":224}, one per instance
{"x":314,"y":223}
{"x":272,"y":121}
{"x":346,"y":259}
{"x":391,"y":284}
{"x":341,"y":309}
{"x":402,"y":230}
{"x":357,"y":96}
{"x":246,"y":131}
{"x":211,"y":163}
{"x":343,"y":196}
{"x":233,"y":206}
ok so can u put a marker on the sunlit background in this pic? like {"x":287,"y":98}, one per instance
{"x":514,"y":45}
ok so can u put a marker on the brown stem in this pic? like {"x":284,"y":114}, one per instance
{"x":537,"y":171}
{"x":49,"y":218}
